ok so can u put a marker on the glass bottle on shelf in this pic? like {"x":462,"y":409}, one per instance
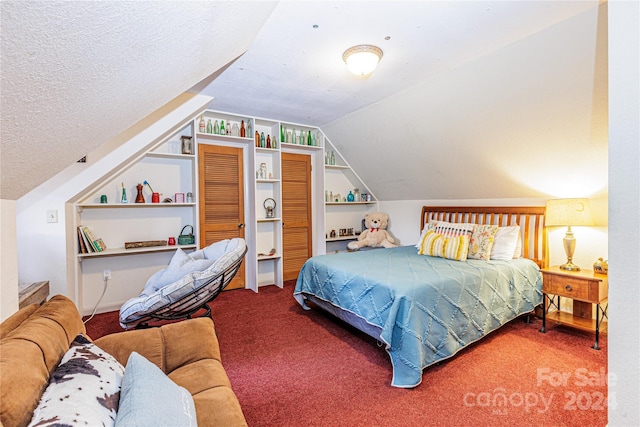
{"x":216,"y":128}
{"x":235,"y":130}
{"x":309,"y":139}
{"x":332,"y":159}
{"x":263,"y":140}
{"x":249,"y":127}
{"x":222,"y":130}
{"x":209,"y":126}
{"x":356,"y":194}
{"x":281,"y":133}
{"x":268,"y":141}
{"x":202,"y":125}
{"x":257,"y":139}
{"x":228,"y":129}
{"x":243,"y":131}
{"x":350,"y":196}
{"x":124,"y":194}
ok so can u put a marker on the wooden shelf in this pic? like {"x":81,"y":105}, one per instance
{"x":349,"y":203}
{"x":340,"y":238}
{"x":568,"y":319}
{"x":204,"y":135}
{"x":306,"y":147}
{"x":123,"y":251}
{"x":132,"y":205}
{"x":171,"y":155}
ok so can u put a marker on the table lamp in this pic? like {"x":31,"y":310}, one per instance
{"x":568,"y":212}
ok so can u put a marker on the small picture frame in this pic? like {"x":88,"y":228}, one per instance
{"x":187,"y":144}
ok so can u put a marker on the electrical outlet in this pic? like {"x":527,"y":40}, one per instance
{"x":106,"y":275}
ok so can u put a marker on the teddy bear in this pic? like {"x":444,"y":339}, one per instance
{"x":375,"y":235}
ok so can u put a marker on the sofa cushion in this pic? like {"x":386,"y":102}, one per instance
{"x":150,"y":398}
{"x":83,"y":390}
{"x":38,"y":342}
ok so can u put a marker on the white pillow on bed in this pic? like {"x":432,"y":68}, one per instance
{"x":505,"y":243}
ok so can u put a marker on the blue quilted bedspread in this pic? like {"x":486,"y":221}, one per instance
{"x":427,"y":308}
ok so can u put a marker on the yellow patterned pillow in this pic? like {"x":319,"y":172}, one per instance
{"x":434,"y":244}
{"x":481,"y":241}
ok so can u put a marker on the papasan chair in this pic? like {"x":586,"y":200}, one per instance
{"x":186,"y":285}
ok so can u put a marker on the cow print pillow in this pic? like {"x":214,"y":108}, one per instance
{"x":83,"y":390}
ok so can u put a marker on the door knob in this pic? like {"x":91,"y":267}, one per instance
{"x":240,"y":225}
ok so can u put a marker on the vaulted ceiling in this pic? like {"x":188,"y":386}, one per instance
{"x":470,"y":100}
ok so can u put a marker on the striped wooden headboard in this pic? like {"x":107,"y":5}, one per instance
{"x":529,"y":218}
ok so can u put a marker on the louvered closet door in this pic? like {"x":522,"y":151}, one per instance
{"x":221,"y":198}
{"x":296,"y":213}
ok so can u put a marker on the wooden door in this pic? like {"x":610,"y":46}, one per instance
{"x":221,"y":198}
{"x":296,"y":213}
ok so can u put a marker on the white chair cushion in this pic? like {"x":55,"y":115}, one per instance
{"x":183,"y":265}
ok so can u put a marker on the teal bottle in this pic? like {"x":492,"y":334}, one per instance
{"x":350,"y":197}
{"x":263,"y":141}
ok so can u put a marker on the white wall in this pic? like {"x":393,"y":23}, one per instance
{"x":624,"y":212}
{"x":42,"y":246}
{"x":8,"y":259}
{"x":591,"y":241}
{"x":527,"y":120}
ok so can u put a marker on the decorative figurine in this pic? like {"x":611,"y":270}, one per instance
{"x":140,"y":196}
{"x":270,"y":207}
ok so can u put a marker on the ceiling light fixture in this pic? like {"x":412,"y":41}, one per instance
{"x":362,"y":59}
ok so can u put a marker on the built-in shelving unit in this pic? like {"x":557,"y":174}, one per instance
{"x":341,"y":213}
{"x":169,"y":170}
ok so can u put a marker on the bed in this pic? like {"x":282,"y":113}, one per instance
{"x":425,"y":309}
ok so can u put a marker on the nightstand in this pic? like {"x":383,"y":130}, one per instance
{"x":585,"y":288}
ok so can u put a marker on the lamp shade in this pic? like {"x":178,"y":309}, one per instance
{"x":568,"y":212}
{"x":362,"y":59}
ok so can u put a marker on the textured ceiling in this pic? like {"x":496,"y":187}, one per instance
{"x":294,"y":71}
{"x":76,"y":74}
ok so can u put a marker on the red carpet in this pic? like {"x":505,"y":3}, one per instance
{"x":289,"y":367}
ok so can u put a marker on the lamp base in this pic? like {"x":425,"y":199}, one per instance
{"x":569,"y":266}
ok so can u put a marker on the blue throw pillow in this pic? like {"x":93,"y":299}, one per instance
{"x":149,"y":398}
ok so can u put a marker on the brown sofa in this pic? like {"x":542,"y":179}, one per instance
{"x":34,"y":339}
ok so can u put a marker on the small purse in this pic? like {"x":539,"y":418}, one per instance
{"x":186,"y":239}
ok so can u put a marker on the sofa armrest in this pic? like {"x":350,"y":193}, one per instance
{"x":169,"y":346}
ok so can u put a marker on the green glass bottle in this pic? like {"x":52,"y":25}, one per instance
{"x":222,"y":131}
{"x":216,"y":128}
{"x":281,"y":133}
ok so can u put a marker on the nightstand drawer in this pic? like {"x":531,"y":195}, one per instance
{"x":567,"y":287}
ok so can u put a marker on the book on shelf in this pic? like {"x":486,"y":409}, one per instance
{"x":82,"y":243}
{"x":91,"y":242}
